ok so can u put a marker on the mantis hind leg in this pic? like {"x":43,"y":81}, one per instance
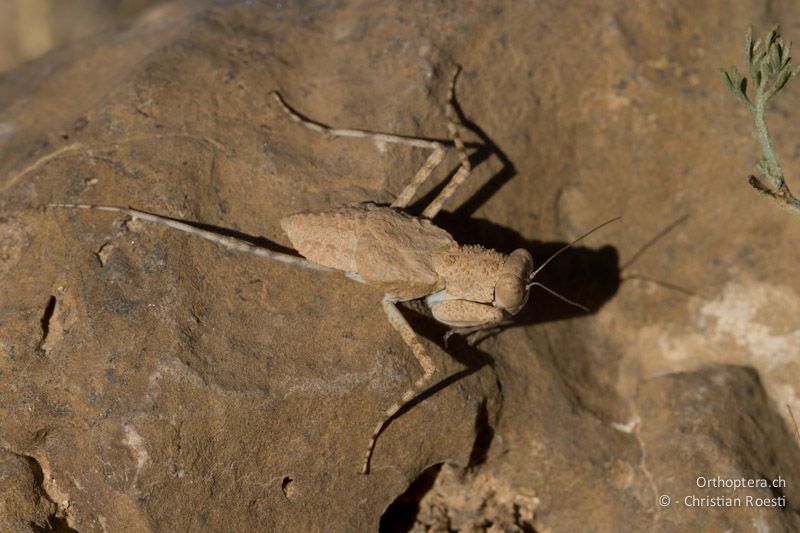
{"x":230,"y":243}
{"x":465,"y":168}
{"x":434,"y":159}
{"x":400,"y":324}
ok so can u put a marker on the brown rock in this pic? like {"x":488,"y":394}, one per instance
{"x":718,"y":459}
{"x":24,"y":503}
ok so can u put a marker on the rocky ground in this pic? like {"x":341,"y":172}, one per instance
{"x":152,"y":381}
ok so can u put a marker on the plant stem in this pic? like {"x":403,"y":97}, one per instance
{"x":772,"y":169}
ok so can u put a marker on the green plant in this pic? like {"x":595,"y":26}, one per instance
{"x":767,"y":61}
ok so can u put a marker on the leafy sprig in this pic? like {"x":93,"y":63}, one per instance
{"x":768,"y":63}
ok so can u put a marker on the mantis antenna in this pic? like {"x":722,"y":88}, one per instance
{"x":532,"y":283}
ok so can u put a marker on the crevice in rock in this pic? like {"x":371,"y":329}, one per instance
{"x":775,"y":488}
{"x":49,"y":310}
{"x":36,"y":469}
{"x":56,"y":523}
{"x":286,"y":487}
{"x":483,"y":438}
{"x":400,"y":516}
{"x":520,"y":522}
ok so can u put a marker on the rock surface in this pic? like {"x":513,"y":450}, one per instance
{"x":152,"y":381}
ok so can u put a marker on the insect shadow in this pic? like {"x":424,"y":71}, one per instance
{"x":591,"y":277}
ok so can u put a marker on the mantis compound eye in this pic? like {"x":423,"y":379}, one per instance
{"x":510,"y":291}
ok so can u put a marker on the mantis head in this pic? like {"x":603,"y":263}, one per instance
{"x":517,"y":277}
{"x":512,"y":289}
